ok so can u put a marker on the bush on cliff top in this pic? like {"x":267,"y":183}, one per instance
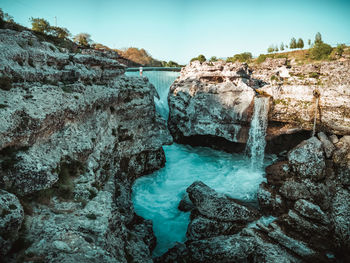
{"x":200,"y":58}
{"x":242,"y":57}
{"x":320,"y":51}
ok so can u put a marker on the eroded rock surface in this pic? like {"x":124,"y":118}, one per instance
{"x":74,"y":134}
{"x":211,"y":100}
{"x":212,"y":103}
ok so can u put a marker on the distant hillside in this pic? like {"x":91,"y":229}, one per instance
{"x":139,"y":57}
{"x":307,"y":56}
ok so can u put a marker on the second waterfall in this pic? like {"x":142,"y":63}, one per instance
{"x":256,"y":141}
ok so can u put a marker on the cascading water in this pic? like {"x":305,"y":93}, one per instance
{"x":256,"y":143}
{"x":162,"y":80}
{"x":157,"y":196}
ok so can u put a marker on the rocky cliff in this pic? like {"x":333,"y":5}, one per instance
{"x":74,"y":134}
{"x":308,"y":193}
{"x":213,"y":102}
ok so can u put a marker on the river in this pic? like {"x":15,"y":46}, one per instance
{"x":156,"y":196}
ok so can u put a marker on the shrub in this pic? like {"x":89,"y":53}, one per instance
{"x":314,"y":75}
{"x":338,"y":51}
{"x":320,"y":51}
{"x":261,"y":58}
{"x":274,"y":78}
{"x":242,"y":57}
{"x":213,"y":59}
{"x":200,"y":58}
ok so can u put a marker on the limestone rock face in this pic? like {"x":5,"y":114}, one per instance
{"x":307,"y":159}
{"x":211,"y":100}
{"x":74,"y":134}
{"x":11,"y":218}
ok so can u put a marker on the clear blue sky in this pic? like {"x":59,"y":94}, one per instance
{"x":180,"y":30}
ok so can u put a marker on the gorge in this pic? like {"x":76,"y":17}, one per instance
{"x":100,"y":165}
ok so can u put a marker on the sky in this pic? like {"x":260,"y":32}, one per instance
{"x":179,"y":30}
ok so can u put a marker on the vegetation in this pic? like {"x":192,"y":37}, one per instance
{"x":170,"y":64}
{"x":242,"y":57}
{"x":293,"y":43}
{"x":139,"y":56}
{"x":200,"y":58}
{"x":83,"y":39}
{"x":40,"y":25}
{"x":320,"y":51}
{"x":300,"y":43}
{"x":213,"y":59}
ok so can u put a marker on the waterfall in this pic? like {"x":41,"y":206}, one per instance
{"x":256,"y":141}
{"x":162,"y":81}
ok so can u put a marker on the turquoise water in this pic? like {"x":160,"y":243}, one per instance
{"x":157,"y":196}
{"x":162,"y":81}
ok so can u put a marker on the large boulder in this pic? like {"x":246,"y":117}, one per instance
{"x":219,"y":207}
{"x":212,"y":102}
{"x":307,"y":159}
{"x":340,"y":213}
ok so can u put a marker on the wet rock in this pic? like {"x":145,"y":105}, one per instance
{"x":294,"y":190}
{"x":312,"y":233}
{"x":227,"y":249}
{"x":270,"y":202}
{"x":298,"y":247}
{"x":327,"y":144}
{"x":340,"y":213}
{"x":277,"y":173}
{"x":311,"y":211}
{"x":307,"y":159}
{"x":185,"y":204}
{"x":201,"y":227}
{"x":341,"y":160}
{"x":219,"y":207}
{"x":11,"y":218}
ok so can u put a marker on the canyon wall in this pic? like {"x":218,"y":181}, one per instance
{"x":74,"y":134}
{"x":213,"y":101}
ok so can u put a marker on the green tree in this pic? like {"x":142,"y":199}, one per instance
{"x":282,"y":46}
{"x":309,"y":42}
{"x":276,"y":48}
{"x":83,"y":39}
{"x":320,"y":51}
{"x":293,"y":43}
{"x":271,"y":49}
{"x":200,"y":58}
{"x":213,"y":59}
{"x":6,"y":17}
{"x":242,"y":57}
{"x":40,"y":25}
{"x":318,"y":38}
{"x":300,"y":43}
{"x":172,"y":64}
{"x":60,"y":32}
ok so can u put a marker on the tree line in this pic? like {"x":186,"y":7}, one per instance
{"x":294,"y":44}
